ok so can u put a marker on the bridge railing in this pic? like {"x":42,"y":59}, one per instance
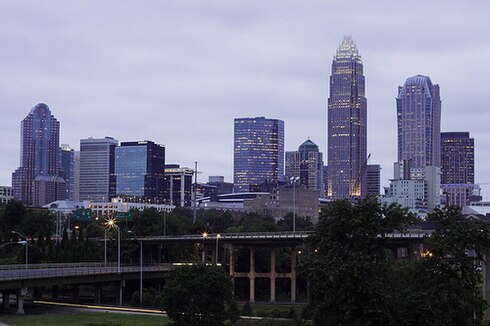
{"x":77,"y":270}
{"x":56,"y":265}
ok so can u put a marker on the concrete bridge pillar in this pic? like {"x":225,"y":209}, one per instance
{"x":273,"y":275}
{"x":6,"y":299}
{"x":20,"y":300}
{"x":251,"y":275}
{"x":97,"y":293}
{"x":122,"y":284}
{"x":294,"y":253}
{"x":231,"y":249}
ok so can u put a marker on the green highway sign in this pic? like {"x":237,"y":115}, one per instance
{"x":84,"y":214}
{"x":123,"y":215}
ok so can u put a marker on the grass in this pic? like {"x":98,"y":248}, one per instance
{"x":86,"y":319}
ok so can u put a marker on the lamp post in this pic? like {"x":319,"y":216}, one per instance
{"x":27,"y":246}
{"x":293,"y":180}
{"x":111,"y":224}
{"x":204,"y":237}
{"x":141,"y":266}
{"x":217,"y":250}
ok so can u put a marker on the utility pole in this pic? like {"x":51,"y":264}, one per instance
{"x":195,"y":194}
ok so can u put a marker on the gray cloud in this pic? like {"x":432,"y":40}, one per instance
{"x":179,"y":72}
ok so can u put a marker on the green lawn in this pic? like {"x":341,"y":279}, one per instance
{"x":86,"y":319}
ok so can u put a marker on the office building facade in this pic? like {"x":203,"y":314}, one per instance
{"x":178,"y":185}
{"x":418,"y":108}
{"x":457,"y":158}
{"x":139,"y":169}
{"x":307,"y":164}
{"x":258,"y":153}
{"x":347,"y":124}
{"x":68,"y":169}
{"x":97,"y":159}
{"x":39,"y":151}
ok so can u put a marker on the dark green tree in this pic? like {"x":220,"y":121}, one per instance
{"x":444,"y":287}
{"x":199,"y":295}
{"x":349,"y":268}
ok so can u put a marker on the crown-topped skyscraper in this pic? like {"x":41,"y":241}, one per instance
{"x":347,"y":124}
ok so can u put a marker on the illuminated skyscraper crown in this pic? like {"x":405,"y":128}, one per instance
{"x":348,"y":50}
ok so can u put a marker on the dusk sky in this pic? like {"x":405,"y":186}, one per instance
{"x":179,"y":72}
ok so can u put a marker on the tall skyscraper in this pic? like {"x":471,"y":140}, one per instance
{"x":418,"y":108}
{"x":307,"y":164}
{"x":97,"y":178}
{"x":457,"y":158}
{"x":39,"y":151}
{"x":258,"y":153}
{"x":347,"y":124}
{"x":139,"y":169}
{"x":68,"y":168}
{"x":458,"y":169}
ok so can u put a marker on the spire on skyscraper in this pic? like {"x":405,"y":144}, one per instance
{"x":348,"y":50}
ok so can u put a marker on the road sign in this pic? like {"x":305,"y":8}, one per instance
{"x":84,"y":214}
{"x":124,"y":215}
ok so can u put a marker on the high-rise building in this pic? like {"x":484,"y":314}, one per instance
{"x":39,"y":151}
{"x":458,"y":169}
{"x":178,"y":185}
{"x":97,"y":178}
{"x":347,"y":124}
{"x":258,"y":153}
{"x":373,"y":176}
{"x":68,"y":168}
{"x":418,"y":108}
{"x":457,"y":158}
{"x":307,"y":164}
{"x":76,"y":176}
{"x":139,"y":169}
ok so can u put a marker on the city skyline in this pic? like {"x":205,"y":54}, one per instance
{"x":179,"y":73}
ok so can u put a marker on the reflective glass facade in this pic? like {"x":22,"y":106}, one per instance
{"x":457,"y":158}
{"x":347,"y":124}
{"x":139,"y":169}
{"x":258,"y":152}
{"x":418,"y":108}
{"x":39,"y":151}
{"x":68,"y":168}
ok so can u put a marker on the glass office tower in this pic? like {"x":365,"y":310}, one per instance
{"x":457,"y":158}
{"x":139,"y":169}
{"x":418,"y":107}
{"x":347,"y":124}
{"x":258,"y":153}
{"x":97,"y":179}
{"x":39,"y":151}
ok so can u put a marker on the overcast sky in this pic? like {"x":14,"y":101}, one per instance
{"x":179,"y":72}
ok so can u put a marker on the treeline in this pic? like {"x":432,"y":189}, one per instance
{"x":18,"y":223}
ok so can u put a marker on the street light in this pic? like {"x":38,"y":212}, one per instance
{"x":141,"y":266}
{"x":217,"y":238}
{"x":293,"y":180}
{"x":111,"y":224}
{"x":204,"y":237}
{"x":27,"y":246}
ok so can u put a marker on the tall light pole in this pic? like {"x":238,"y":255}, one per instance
{"x":141,"y":266}
{"x":27,"y":246}
{"x":204,"y":237}
{"x":293,"y":180}
{"x":111,"y":224}
{"x":217,"y":250}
